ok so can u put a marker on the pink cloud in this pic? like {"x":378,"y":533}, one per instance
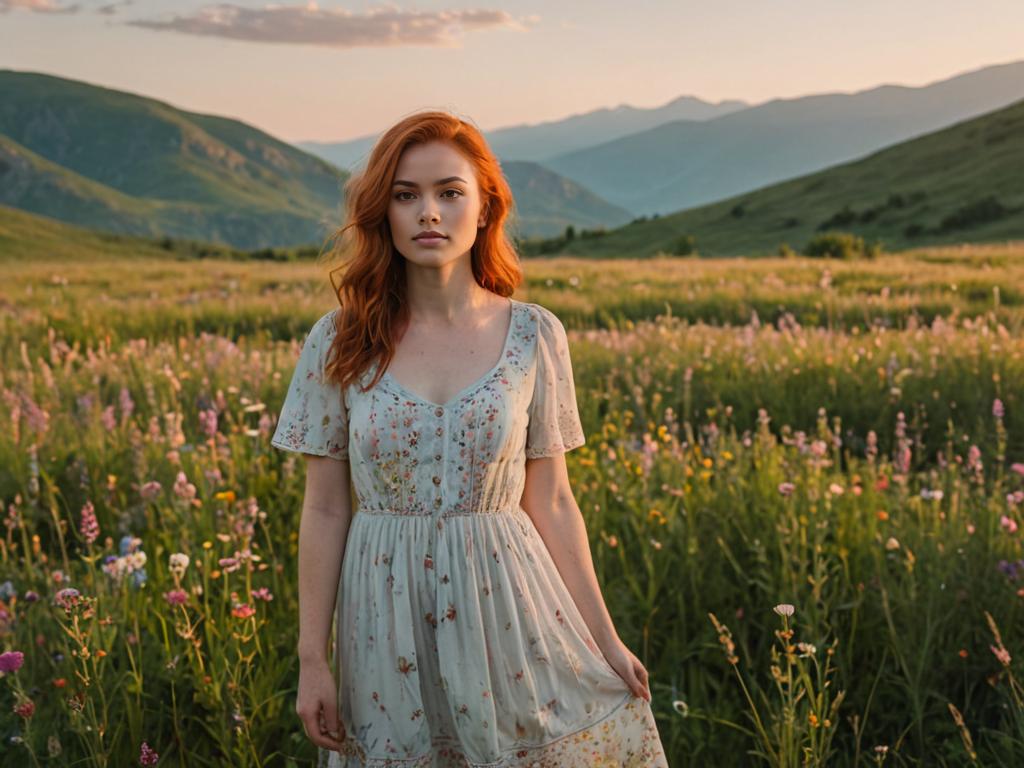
{"x":337,"y":28}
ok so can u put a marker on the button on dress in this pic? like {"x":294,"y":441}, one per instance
{"x":458,"y":642}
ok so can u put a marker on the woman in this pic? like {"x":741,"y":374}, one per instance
{"x":471,"y":629}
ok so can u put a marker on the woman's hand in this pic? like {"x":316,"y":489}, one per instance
{"x":629,"y":668}
{"x":317,"y":706}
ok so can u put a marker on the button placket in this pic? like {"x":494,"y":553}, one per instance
{"x":438,"y":477}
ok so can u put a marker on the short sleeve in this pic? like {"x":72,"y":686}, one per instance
{"x":554,"y":421}
{"x":313,"y":418}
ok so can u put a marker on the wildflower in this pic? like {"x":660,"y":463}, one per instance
{"x":11,"y":661}
{"x":229,"y":564}
{"x":25,"y":708}
{"x":68,"y":598}
{"x":786,"y":489}
{"x":243,"y":611}
{"x":963,"y":653}
{"x":784,"y":609}
{"x":882,"y":515}
{"x":681,"y":707}
{"x":725,"y":638}
{"x":89,"y":526}
{"x":147,"y":756}
{"x":997,"y":408}
{"x":262,"y":594}
{"x":178,"y":563}
{"x":208,"y":422}
{"x":176,"y":597}
{"x":1001,"y":654}
{"x":150,"y":490}
{"x":183,"y":489}
{"x":892,"y":543}
{"x":613,"y":541}
{"x":806,"y":649}
{"x":836,"y":489}
{"x":1017,"y":467}
{"x":1008,"y":524}
{"x":228,"y":496}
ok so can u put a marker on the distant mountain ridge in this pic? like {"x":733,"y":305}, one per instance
{"x":540,"y":141}
{"x":964,"y":183}
{"x":683,"y":164}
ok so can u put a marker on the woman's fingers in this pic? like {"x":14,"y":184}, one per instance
{"x":318,"y":732}
{"x":641,"y":674}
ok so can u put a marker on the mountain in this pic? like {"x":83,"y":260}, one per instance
{"x":962,"y":183}
{"x":687,"y":163}
{"x":547,"y":203}
{"x":555,"y":137}
{"x":116,"y":161}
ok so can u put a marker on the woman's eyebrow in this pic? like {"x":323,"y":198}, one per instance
{"x":439,"y":182}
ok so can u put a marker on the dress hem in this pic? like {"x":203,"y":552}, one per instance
{"x":503,"y":762}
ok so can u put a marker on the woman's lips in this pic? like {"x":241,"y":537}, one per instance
{"x":430,"y":240}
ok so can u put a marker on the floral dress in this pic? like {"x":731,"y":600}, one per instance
{"x":457,"y":641}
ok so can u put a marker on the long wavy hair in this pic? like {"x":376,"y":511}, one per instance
{"x":372,"y":289}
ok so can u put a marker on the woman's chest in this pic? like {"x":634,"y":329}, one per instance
{"x":486,"y":422}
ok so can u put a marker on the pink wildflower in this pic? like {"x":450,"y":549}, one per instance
{"x":89,"y":526}
{"x":11,"y":661}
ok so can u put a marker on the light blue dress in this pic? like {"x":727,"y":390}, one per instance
{"x":457,"y":641}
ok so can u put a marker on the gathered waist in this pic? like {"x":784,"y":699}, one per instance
{"x":454,"y":510}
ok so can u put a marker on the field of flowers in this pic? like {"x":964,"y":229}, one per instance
{"x":803,"y":480}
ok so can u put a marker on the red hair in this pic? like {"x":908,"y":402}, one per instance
{"x":372,"y":290}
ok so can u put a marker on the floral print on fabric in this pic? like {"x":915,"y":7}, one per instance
{"x":457,"y":641}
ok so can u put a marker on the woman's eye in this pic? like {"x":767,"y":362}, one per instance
{"x":398,"y":196}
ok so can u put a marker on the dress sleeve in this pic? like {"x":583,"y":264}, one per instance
{"x":554,"y":421}
{"x":314,"y":418}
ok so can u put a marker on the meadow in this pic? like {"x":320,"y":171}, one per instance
{"x":803,"y":482}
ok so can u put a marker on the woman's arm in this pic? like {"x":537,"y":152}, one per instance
{"x":549,"y":501}
{"x":323,"y":531}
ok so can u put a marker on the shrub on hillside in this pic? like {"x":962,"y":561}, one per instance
{"x":684,"y":246}
{"x":973,"y":214}
{"x":841,"y":245}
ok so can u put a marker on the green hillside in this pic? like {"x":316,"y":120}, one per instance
{"x":547,"y":203}
{"x":964,"y":183}
{"x":120,"y":162}
{"x":29,"y":237}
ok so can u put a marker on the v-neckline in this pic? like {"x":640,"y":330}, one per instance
{"x":473,"y":385}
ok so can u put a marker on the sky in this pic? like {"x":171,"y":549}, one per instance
{"x":331,"y":70}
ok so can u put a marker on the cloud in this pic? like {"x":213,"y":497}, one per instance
{"x":111,"y":8}
{"x":337,"y":28}
{"x":38,"y":6}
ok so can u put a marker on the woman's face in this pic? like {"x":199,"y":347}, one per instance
{"x":435,"y":188}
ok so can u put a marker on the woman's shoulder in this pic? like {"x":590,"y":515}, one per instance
{"x":549,"y":329}
{"x":325,"y":328}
